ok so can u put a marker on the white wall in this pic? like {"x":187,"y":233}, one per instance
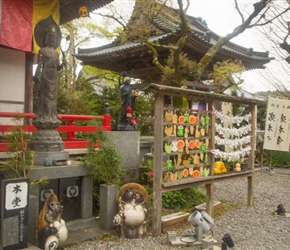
{"x":12,"y":81}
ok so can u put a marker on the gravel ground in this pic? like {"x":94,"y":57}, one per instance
{"x":251,"y":228}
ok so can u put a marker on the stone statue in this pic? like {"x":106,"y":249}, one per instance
{"x":47,"y":81}
{"x":126,"y":94}
{"x":127,"y":119}
{"x":46,"y":141}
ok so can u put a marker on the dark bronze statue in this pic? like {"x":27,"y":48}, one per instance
{"x":126,"y":94}
{"x":47,"y":142}
{"x":127,"y":119}
{"x":47,"y":81}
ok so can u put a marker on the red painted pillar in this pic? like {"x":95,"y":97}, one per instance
{"x":70,"y":135}
{"x":107,"y":117}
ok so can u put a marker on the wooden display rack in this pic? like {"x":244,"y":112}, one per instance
{"x":161,"y":184}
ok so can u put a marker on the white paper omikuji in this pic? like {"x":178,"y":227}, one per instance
{"x":232,"y":119}
{"x":231,"y":156}
{"x":238,"y":132}
{"x":233,"y":143}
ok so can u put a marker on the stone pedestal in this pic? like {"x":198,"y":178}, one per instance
{"x":108,"y":206}
{"x":128,"y":146}
{"x":48,"y":147}
{"x":50,"y":158}
{"x":58,"y":173}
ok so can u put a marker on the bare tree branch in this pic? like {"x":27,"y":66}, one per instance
{"x":239,"y":11}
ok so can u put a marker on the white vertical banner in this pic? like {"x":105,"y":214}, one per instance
{"x":277,"y":128}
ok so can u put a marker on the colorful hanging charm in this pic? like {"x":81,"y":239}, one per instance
{"x":201,"y":155}
{"x":186,"y":147}
{"x":168,"y":148}
{"x":197,"y":133}
{"x":180,"y":145}
{"x":169,"y":164}
{"x":173,"y":176}
{"x":206,"y":158}
{"x":179,"y":160}
{"x":174,"y":146}
{"x":179,"y":175}
{"x":203,"y":148}
{"x":168,"y":116}
{"x":174,"y":118}
{"x":168,"y":130}
{"x":181,"y":119}
{"x":185,"y":172}
{"x":191,"y":129}
{"x":186,"y":131}
{"x":192,"y":119}
{"x":180,"y":131}
{"x":191,"y":144}
{"x":206,"y":171}
{"x":190,"y":170}
{"x":196,"y":159}
{"x":186,"y":117}
{"x":196,"y":173}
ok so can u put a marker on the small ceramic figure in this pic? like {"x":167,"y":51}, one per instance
{"x":132,"y":201}
{"x":52,"y":231}
{"x":238,"y":167}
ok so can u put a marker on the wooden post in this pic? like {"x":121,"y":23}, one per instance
{"x":28,"y":90}
{"x":251,"y":159}
{"x":209,"y":199}
{"x":209,"y":187}
{"x":253,"y":121}
{"x":250,"y":191}
{"x":157,"y":159}
{"x":212,"y":107}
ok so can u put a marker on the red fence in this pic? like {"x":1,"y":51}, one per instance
{"x":70,"y":128}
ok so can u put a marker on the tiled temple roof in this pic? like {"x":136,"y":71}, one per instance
{"x":134,"y":58}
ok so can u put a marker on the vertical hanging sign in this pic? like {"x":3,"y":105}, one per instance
{"x":14,"y":213}
{"x":277,"y":128}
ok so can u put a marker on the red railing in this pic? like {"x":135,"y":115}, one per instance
{"x":70,"y":128}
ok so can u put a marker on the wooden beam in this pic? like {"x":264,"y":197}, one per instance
{"x":28,"y":89}
{"x":200,"y":95}
{"x":157,"y":169}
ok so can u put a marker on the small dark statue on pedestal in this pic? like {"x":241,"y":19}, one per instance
{"x":127,"y":119}
{"x":46,"y":140}
{"x":132,"y":214}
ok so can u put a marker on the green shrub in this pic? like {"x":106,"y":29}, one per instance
{"x":280,"y":159}
{"x":184,"y":199}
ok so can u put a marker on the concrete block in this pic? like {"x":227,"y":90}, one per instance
{"x":128,"y":146}
{"x":108,"y":206}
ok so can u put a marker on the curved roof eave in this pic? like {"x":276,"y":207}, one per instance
{"x":91,"y":54}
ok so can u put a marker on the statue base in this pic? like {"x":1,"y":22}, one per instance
{"x":49,"y":152}
{"x":126,"y":128}
{"x":51,"y":158}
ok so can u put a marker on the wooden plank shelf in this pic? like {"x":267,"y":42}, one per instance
{"x":189,"y":182}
